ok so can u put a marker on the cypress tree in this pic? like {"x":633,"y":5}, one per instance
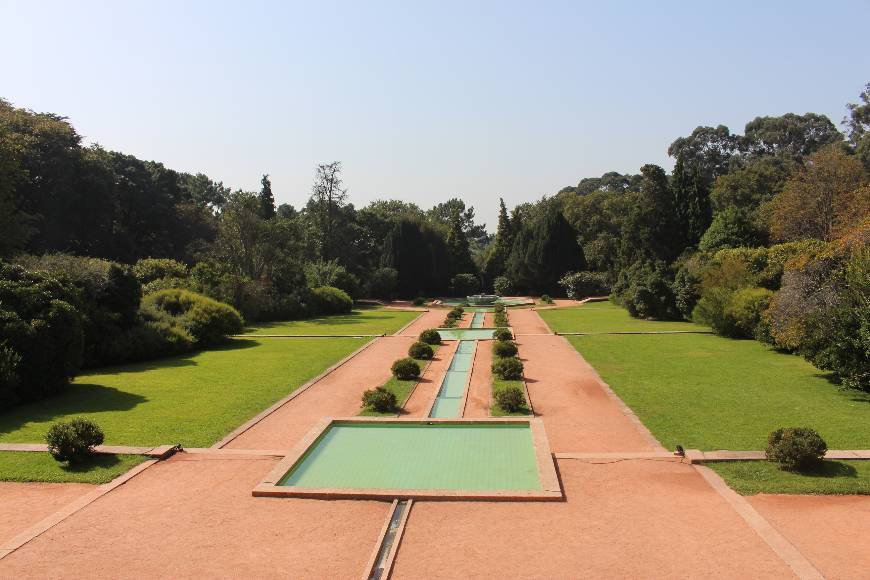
{"x":267,"y":200}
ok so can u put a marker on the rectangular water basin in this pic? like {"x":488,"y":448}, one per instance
{"x":466,"y":333}
{"x":375,"y":458}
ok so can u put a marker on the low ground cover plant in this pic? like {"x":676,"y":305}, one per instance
{"x":421,"y":351}
{"x":430,"y":336}
{"x":379,"y":399}
{"x":406,"y":369}
{"x":74,"y":441}
{"x":796,"y":448}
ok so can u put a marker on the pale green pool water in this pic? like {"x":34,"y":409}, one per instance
{"x":453,"y":386}
{"x":466,"y":333}
{"x":420,"y":456}
{"x":477,"y":320}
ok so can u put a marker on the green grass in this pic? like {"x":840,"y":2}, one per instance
{"x":500,"y":385}
{"x":360,"y":321}
{"x":35,"y":466}
{"x":193,"y":399}
{"x":834,"y":478}
{"x":399,"y":388}
{"x":606,"y":317}
{"x":707,"y":392}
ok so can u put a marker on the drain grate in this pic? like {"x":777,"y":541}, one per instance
{"x":383,"y":561}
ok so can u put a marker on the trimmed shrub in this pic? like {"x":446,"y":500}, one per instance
{"x":579,"y":285}
{"x":379,"y":399}
{"x":498,"y":307}
{"x":508,"y":368}
{"x":406,"y":369}
{"x":511,"y":399}
{"x":73,"y":441}
{"x":502,"y":334}
{"x":546,"y":299}
{"x":421,"y":351}
{"x":419,"y":301}
{"x":449,"y":322}
{"x":795,"y":448}
{"x":500,"y":319}
{"x":329,"y":300}
{"x":456,"y":312}
{"x":150,"y":269}
{"x":207,"y":320}
{"x":504,"y":348}
{"x":502,"y":286}
{"x":430,"y":336}
{"x":645,"y":290}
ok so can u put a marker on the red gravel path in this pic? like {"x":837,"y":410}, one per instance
{"x":634,"y":519}
{"x":480,"y":385}
{"x":526,"y":321}
{"x":194,"y":516}
{"x":24,"y":504}
{"x":833,"y":532}
{"x":431,"y":319}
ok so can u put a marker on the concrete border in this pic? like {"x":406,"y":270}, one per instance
{"x":464,"y":400}
{"x":373,"y":559}
{"x":551,"y":490}
{"x":286,"y":399}
{"x":397,"y":540}
{"x":159,"y":452}
{"x":786,"y":551}
{"x":698,"y":456}
{"x":82,"y":502}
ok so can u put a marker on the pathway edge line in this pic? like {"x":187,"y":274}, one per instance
{"x":413,"y":320}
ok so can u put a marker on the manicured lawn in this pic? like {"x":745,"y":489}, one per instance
{"x":193,"y":399}
{"x":360,"y":321}
{"x":707,"y":392}
{"x":500,"y":385}
{"x":606,"y":317}
{"x":834,"y":477}
{"x":34,"y":466}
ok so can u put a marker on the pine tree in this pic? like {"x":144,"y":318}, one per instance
{"x":504,"y":239}
{"x":267,"y":200}
{"x":458,"y":249}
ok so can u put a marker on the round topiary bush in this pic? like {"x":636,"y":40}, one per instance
{"x":795,"y":448}
{"x":419,"y":301}
{"x":329,"y":300}
{"x":503,"y":334}
{"x":379,"y":399}
{"x":406,"y":369}
{"x":504,"y":348}
{"x":430,"y":336}
{"x":546,"y":299}
{"x":421,"y":351}
{"x":73,"y":441}
{"x":511,"y":399}
{"x":508,"y":368}
{"x":207,"y":320}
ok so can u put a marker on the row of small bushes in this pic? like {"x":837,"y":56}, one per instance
{"x":506,"y":365}
{"x":381,"y":399}
{"x":454,"y":316}
{"x":500,"y":318}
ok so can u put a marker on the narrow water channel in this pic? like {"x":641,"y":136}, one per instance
{"x":447,"y":404}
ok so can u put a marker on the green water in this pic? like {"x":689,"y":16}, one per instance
{"x":453,"y":386}
{"x":466,"y":333}
{"x":477,"y":321}
{"x":420,"y":456}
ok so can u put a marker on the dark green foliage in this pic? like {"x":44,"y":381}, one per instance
{"x":795,"y":448}
{"x":456,"y":312}
{"x":500,"y":319}
{"x":383,"y":283}
{"x":419,"y":253}
{"x":731,"y":228}
{"x":691,"y":202}
{"x":421,"y":351}
{"x":502,"y":286}
{"x":504,"y":348}
{"x":151,"y":269}
{"x":406,"y":369}
{"x":498,"y":307}
{"x":329,"y":300}
{"x":208,"y":321}
{"x":645,"y":290}
{"x":449,"y":322}
{"x":464,"y":285}
{"x":508,"y":368}
{"x":579,"y":285}
{"x":267,"y":200}
{"x":418,"y":301}
{"x":43,"y":330}
{"x":511,"y":399}
{"x":430,"y":336}
{"x":74,"y":441}
{"x":379,"y":399}
{"x":496,"y":263}
{"x":502,"y":334}
{"x":547,"y":299}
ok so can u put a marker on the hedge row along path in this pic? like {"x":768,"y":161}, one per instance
{"x":631,"y":508}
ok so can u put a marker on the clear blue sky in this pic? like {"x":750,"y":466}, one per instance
{"x":425,"y":101}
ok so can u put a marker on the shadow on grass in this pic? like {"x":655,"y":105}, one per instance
{"x":357,"y":316}
{"x":98,"y":461}
{"x":174,"y":361}
{"x":829,"y":469}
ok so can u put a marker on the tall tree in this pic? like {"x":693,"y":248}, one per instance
{"x":457,"y":248}
{"x":544,"y":251}
{"x":858,"y":123}
{"x":708,"y":150}
{"x":790,"y":135}
{"x":691,"y":202}
{"x":496,"y":262}
{"x":327,"y":199}
{"x":267,"y":200}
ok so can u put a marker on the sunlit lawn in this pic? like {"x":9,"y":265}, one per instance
{"x":359,"y":322}
{"x":33,"y":466}
{"x":606,"y":317}
{"x":833,"y":477}
{"x":500,"y":385}
{"x":193,"y":399}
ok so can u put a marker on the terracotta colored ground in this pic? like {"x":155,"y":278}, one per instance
{"x":635,"y":519}
{"x":421,"y":399}
{"x":24,"y":504}
{"x":565,"y":392}
{"x":336,"y":395}
{"x":832,"y":532}
{"x":480,"y":385}
{"x":431,"y":319}
{"x":527,"y":321}
{"x":193,"y":516}
{"x":489,"y":319}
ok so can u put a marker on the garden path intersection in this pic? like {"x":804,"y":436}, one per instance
{"x":628,"y":506}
